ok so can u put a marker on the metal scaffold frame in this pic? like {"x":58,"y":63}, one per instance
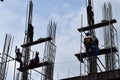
{"x":112,"y":59}
{"x":4,"y":64}
{"x":50,"y":52}
{"x":106,"y":63}
{"x":26,"y":50}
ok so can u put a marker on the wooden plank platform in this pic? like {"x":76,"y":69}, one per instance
{"x":35,"y":66}
{"x":98,"y":25}
{"x":100,"y":52}
{"x":107,"y":75}
{"x":37,"y":41}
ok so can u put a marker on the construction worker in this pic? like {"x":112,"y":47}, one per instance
{"x":19,"y":57}
{"x":89,"y":45}
{"x":30,"y":32}
{"x":35,"y":61}
{"x":90,"y":14}
{"x":18,"y":54}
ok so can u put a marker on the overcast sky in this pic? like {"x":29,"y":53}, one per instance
{"x":67,"y":15}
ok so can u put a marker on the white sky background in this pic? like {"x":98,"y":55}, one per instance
{"x":66,"y":13}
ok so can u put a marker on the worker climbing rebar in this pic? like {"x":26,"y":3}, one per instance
{"x":90,"y":14}
{"x":30,"y":32}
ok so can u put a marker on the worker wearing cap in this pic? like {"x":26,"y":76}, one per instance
{"x":89,"y":45}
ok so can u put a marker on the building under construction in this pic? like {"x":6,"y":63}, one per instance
{"x":105,"y":65}
{"x":47,"y":62}
{"x":102,"y":66}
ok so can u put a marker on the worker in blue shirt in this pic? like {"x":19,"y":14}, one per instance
{"x":89,"y":45}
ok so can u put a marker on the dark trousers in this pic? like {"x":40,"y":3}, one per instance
{"x":21,"y":65}
{"x":91,"y":48}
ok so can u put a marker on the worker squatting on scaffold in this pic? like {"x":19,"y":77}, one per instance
{"x":33,"y":62}
{"x":91,"y":45}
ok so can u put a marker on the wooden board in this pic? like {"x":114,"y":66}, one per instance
{"x":98,"y":25}
{"x":36,"y":66}
{"x":100,"y":52}
{"x":37,"y":41}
